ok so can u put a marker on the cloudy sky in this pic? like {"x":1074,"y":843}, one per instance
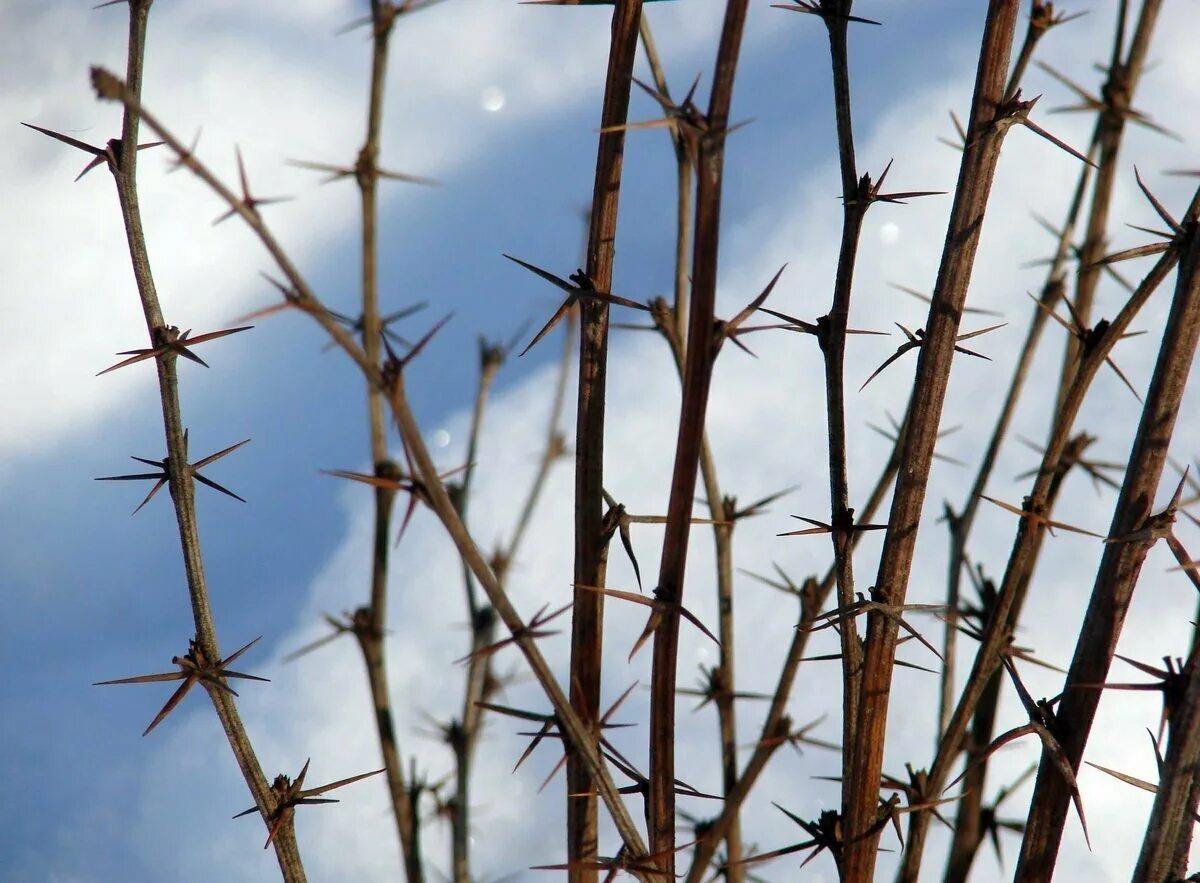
{"x":499,"y":102}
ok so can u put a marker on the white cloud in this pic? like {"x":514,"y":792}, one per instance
{"x":71,"y":301}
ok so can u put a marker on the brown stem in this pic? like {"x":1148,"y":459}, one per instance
{"x":578,"y":736}
{"x":968,"y":833}
{"x":1104,"y":150}
{"x":701,"y":351}
{"x":371,"y":639}
{"x":591,"y":549}
{"x":1119,"y":566}
{"x":555,"y":447}
{"x":1117,"y":92}
{"x":182,"y":490}
{"x":981,"y":153}
{"x":1033,"y":35}
{"x":719,"y":506}
{"x":1051,"y":293}
{"x":685,"y":167}
{"x":1164,"y":854}
{"x":967,"y":830}
{"x":778,"y":724}
{"x":997,"y":633}
{"x":833,"y":346}
{"x":463,"y":733}
{"x":484,"y":619}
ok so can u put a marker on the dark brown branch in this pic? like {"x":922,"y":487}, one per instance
{"x":720,"y":506}
{"x":777,"y":728}
{"x":989,"y":120}
{"x":968,"y":833}
{"x":1124,"y":73}
{"x":1122,"y":561}
{"x":833,"y":347}
{"x":997,"y":634}
{"x":371,"y":638}
{"x":590,"y":547}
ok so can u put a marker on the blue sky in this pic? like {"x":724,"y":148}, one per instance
{"x":94,"y":594}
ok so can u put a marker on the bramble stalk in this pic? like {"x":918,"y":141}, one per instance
{"x":989,"y":121}
{"x":720,"y":507}
{"x":968,"y":833}
{"x":181,"y":487}
{"x":578,"y":735}
{"x":591,"y":548}
{"x":371,"y":639}
{"x":1124,"y":72}
{"x":700,"y":352}
{"x":1121,"y":563}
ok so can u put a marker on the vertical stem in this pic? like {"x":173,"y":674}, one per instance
{"x":1104,"y":150}
{"x":1117,"y":93}
{"x":980,"y":156}
{"x":720,"y":507}
{"x":590,"y":545}
{"x":371,"y":639}
{"x":1165,"y":850}
{"x":777,"y":726}
{"x":967,"y":830}
{"x":998,"y":631}
{"x":464,"y":733}
{"x":833,"y":347}
{"x":697,"y":376}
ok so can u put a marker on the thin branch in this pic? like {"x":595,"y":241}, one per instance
{"x":176,"y":466}
{"x":989,"y":120}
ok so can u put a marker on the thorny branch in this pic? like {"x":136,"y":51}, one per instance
{"x":124,"y":170}
{"x":301,"y":296}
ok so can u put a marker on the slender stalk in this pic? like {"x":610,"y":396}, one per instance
{"x":1119,"y":569}
{"x":723,"y":511}
{"x":1184,"y":724}
{"x":371,"y":639}
{"x":1052,"y":291}
{"x":855,"y":202}
{"x":989,"y":121}
{"x":778,"y":725}
{"x":967,"y":831}
{"x":577,"y":735}
{"x":463,"y":734}
{"x":685,"y":168}
{"x":553,"y":450}
{"x":591,"y":549}
{"x":1164,"y":854}
{"x":484,"y":619}
{"x":1034,"y":32}
{"x":700,"y":353}
{"x":1124,"y":72}
{"x":181,"y":487}
{"x":997,"y":634}
{"x":721,"y":507}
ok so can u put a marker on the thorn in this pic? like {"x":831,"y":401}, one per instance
{"x":194,"y":668}
{"x":823,"y":9}
{"x":162,"y":477}
{"x":580,"y":287}
{"x":248,"y":202}
{"x":288,"y":795}
{"x":169,"y":341}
